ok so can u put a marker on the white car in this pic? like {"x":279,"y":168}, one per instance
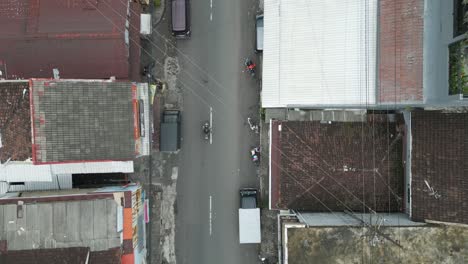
{"x":259,"y":35}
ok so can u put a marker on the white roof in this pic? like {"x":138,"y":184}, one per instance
{"x":319,"y":53}
{"x":26,"y":171}
{"x":249,"y":226}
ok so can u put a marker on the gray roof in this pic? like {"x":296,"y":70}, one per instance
{"x":60,"y":224}
{"x":82,"y":120}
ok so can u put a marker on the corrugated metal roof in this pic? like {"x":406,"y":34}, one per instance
{"x":143,"y":141}
{"x":59,"y":182}
{"x":319,"y":52}
{"x":90,"y":223}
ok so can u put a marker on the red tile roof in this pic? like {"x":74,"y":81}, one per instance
{"x":77,"y":255}
{"x":439,"y":157}
{"x":339,"y":166}
{"x":15,"y":121}
{"x":401,"y":51}
{"x":83,"y":39}
{"x":110,"y":256}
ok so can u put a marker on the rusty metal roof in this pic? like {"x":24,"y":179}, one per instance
{"x":15,"y":121}
{"x":83,"y":39}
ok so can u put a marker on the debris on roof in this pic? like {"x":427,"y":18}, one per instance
{"x":15,"y":121}
{"x":354,"y":166}
{"x":412,"y":245}
{"x":439,"y":167}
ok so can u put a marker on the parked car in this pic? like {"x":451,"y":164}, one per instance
{"x":170,"y":130}
{"x":180,"y":18}
{"x":259,"y":35}
{"x":249,"y":217}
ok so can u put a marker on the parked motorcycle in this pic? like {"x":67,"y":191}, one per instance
{"x":250,"y":66}
{"x":255,"y":155}
{"x":206,"y":128}
{"x":253,"y":127}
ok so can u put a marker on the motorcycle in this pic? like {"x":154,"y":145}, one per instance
{"x":255,"y":155}
{"x":250,"y":66}
{"x":206,"y":128}
{"x":253,"y":127}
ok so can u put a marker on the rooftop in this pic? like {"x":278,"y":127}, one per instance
{"x":439,"y":167}
{"x":82,"y":39}
{"x":327,"y":51}
{"x":76,"y":121}
{"x":15,"y":121}
{"x":354,"y":166}
{"x":401,"y":26}
{"x":74,"y":255}
{"x":60,"y":222}
{"x":430,"y":244}
{"x":110,"y":256}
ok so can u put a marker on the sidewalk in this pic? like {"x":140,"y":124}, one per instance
{"x":269,"y":245}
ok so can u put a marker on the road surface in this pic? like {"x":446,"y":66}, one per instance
{"x":211,"y":175}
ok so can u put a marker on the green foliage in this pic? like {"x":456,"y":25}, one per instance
{"x":157,"y":3}
{"x":458,"y":68}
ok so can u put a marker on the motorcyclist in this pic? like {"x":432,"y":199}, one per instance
{"x":251,"y":65}
{"x":206,"y":129}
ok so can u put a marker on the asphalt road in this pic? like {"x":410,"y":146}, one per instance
{"x":212,"y":63}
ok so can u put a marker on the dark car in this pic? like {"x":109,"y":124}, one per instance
{"x":180,"y":18}
{"x":170,"y":130}
{"x":248,"y":198}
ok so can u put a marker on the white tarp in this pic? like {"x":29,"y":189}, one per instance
{"x":249,"y":226}
{"x":319,"y":53}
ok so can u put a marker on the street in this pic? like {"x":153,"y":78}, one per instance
{"x":210,"y":175}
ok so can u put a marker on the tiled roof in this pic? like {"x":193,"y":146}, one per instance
{"x":15,"y":121}
{"x":110,"y":256}
{"x":74,"y":255}
{"x":76,"y":121}
{"x":355,"y":166}
{"x":439,"y":157}
{"x":82,"y":39}
{"x":401,"y":29}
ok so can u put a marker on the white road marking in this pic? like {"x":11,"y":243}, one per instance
{"x":211,"y":11}
{"x":211,"y":231}
{"x":211,"y":125}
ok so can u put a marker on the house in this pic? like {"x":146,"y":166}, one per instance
{"x":360,"y":54}
{"x":337,"y":166}
{"x":51,"y":130}
{"x":383,"y":242}
{"x":388,"y":187}
{"x":103,"y":225}
{"x":74,"y":255}
{"x":76,"y":39}
{"x":439,"y":167}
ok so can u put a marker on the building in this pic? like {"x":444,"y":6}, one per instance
{"x":337,"y":166}
{"x":80,"y":39}
{"x":383,"y":242}
{"x":360,"y":54}
{"x":387,"y":188}
{"x":51,"y":130}
{"x":104,"y":225}
{"x":439,"y":167}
